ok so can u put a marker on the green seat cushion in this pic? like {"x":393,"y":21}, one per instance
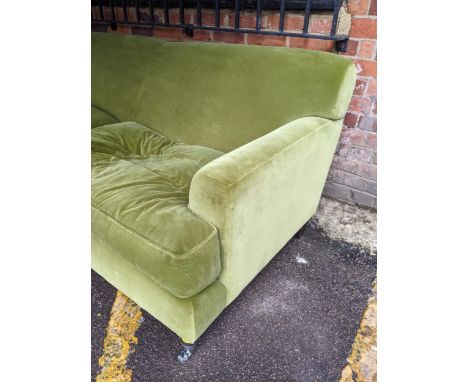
{"x":100,"y":117}
{"x":140,"y":186}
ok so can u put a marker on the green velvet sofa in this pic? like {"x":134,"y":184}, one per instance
{"x":206,"y":159}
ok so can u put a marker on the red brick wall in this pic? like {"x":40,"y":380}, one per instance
{"x":353,"y":175}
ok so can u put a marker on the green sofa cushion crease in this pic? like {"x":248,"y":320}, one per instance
{"x":140,"y":185}
{"x":206,"y":159}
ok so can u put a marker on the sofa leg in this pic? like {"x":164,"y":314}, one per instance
{"x":186,"y":352}
{"x":301,"y":231}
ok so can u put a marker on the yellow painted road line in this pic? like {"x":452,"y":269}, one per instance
{"x":362,"y":362}
{"x":125,"y":319}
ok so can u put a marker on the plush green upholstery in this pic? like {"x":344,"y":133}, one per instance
{"x":188,"y":317}
{"x":221,"y":156}
{"x":140,"y":185}
{"x":216,"y":95}
{"x":100,"y":117}
{"x":251,"y":194}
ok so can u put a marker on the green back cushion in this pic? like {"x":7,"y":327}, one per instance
{"x":218,"y":95}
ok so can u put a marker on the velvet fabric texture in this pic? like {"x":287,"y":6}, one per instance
{"x":100,"y":117}
{"x":216,"y":95}
{"x":260,"y":194}
{"x":188,"y":317}
{"x":140,"y":185}
{"x":220,"y":158}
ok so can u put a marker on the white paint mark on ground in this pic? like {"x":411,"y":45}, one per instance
{"x":301,"y":260}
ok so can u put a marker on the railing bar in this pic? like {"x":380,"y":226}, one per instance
{"x":151,"y":11}
{"x":181,"y":12}
{"x":217,"y":13}
{"x":101,"y":11}
{"x":259,"y":15}
{"x":112,"y":10}
{"x":308,"y":7}
{"x":199,"y":13}
{"x":282,"y":10}
{"x":336,"y":12}
{"x":337,"y":37}
{"x":124,"y":5}
{"x":137,"y":3}
{"x":237,"y":17}
{"x":166,"y":12}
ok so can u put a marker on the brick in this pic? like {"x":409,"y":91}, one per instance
{"x":169,"y":33}
{"x":229,"y":37}
{"x":320,"y":24}
{"x":358,"y":137}
{"x":360,"y":86}
{"x":368,"y":171}
{"x":142,"y":30}
{"x":293,"y":22}
{"x":258,"y":39}
{"x":372,"y":88}
{"x":338,"y":191}
{"x":174,"y":17}
{"x":350,"y":120}
{"x":226,"y":18}
{"x":344,"y":164}
{"x":95,"y":13}
{"x":119,"y":14}
{"x":372,"y":188}
{"x":200,"y":35}
{"x":367,"y":49}
{"x":123,"y":29}
{"x":361,"y":154}
{"x":363,"y":28}
{"x":344,"y":137}
{"x":367,"y":123}
{"x":352,"y":48}
{"x":355,"y":182}
{"x":363,"y":199}
{"x":342,"y":150}
{"x":373,"y":8}
{"x":247,"y":19}
{"x":312,"y":44}
{"x":371,"y":141}
{"x":366,"y":68}
{"x":373,"y":105}
{"x":131,"y":14}
{"x":336,"y":176}
{"x":360,"y":105}
{"x":358,"y":7}
{"x":97,"y":27}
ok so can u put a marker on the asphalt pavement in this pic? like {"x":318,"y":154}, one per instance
{"x":296,"y":321}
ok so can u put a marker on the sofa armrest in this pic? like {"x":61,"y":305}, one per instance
{"x":259,"y":195}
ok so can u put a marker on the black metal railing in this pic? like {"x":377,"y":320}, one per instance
{"x":156,"y":13}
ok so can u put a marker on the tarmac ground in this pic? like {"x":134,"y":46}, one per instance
{"x":296,"y":321}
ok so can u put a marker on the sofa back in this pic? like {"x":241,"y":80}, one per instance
{"x":217,"y":95}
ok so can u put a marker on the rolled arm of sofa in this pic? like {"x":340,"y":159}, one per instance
{"x":259,"y":195}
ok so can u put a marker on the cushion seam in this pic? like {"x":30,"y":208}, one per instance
{"x":269,"y":159}
{"x":151,"y":242}
{"x":161,"y":285}
{"x":106,"y":112}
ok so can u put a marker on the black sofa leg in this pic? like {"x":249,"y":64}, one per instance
{"x":301,"y":231}
{"x":186,"y":352}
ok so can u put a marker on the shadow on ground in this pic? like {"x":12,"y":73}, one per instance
{"x":296,"y":321}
